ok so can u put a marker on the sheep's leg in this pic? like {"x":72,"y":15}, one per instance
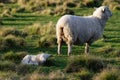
{"x":69,"y":49}
{"x":59,"y":46}
{"x":69,"y":43}
{"x":86,"y":48}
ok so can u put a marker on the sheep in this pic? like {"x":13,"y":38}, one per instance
{"x":35,"y":59}
{"x":81,"y":29}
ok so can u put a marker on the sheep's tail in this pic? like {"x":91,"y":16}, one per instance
{"x":60,"y":34}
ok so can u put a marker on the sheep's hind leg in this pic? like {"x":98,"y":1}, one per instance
{"x":69,"y":43}
{"x":59,"y":46}
{"x":87,"y":48}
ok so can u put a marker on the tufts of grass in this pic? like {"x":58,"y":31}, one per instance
{"x":1,"y":4}
{"x":46,"y":34}
{"x":20,"y":9}
{"x":41,"y":30}
{"x":91,"y":63}
{"x":47,"y":11}
{"x":115,"y":53}
{"x":7,"y":66}
{"x":22,"y":69}
{"x":14,"y":57}
{"x":10,"y":42}
{"x":43,"y":6}
{"x":12,"y":31}
{"x":21,"y":54}
{"x":6,"y":12}
{"x":8,"y":1}
{"x":9,"y":76}
{"x":32,"y":5}
{"x":44,"y":70}
{"x":57,"y":75}
{"x":54,"y":75}
{"x":85,"y":74}
{"x":70,"y":4}
{"x":50,"y":62}
{"x":113,"y":4}
{"x":34,"y":29}
{"x":62,"y":10}
{"x":47,"y":41}
{"x":105,"y":49}
{"x":92,"y":3}
{"x":108,"y":74}
{"x":7,"y":42}
{"x":10,"y":56}
{"x":36,"y":76}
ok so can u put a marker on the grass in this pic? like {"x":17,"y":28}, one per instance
{"x":25,"y":19}
{"x":105,"y":50}
{"x":108,"y":74}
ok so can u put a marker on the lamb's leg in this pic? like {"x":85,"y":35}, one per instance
{"x":59,"y":46}
{"x":86,"y":48}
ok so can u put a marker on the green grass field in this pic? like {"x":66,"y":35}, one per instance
{"x":105,"y":50}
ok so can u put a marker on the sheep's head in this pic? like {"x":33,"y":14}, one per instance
{"x":102,"y":12}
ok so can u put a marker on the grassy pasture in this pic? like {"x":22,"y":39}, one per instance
{"x":104,"y":52}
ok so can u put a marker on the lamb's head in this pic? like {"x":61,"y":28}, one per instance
{"x":102,"y":12}
{"x":42,"y":57}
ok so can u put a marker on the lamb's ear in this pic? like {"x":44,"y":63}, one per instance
{"x":103,"y":10}
{"x":95,"y":8}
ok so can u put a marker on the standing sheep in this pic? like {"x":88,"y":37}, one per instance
{"x":76,"y":29}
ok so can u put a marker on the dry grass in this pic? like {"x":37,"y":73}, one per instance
{"x":46,"y":33}
{"x":47,"y":41}
{"x":43,"y":6}
{"x":113,"y":4}
{"x":41,"y":30}
{"x":12,"y":31}
{"x":89,"y":62}
{"x":10,"y":42}
{"x":105,"y":49}
{"x":7,"y":1}
{"x":6,"y":12}
{"x":92,"y":3}
{"x":62,"y":10}
{"x":84,"y":74}
{"x":9,"y":76}
{"x":108,"y":74}
{"x":14,"y":57}
{"x":57,"y":75}
{"x":7,"y":66}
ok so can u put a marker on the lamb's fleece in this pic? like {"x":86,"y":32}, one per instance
{"x":85,"y":29}
{"x":35,"y":59}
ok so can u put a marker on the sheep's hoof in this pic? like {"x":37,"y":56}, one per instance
{"x":86,"y":53}
{"x":68,"y":54}
{"x":59,"y":54}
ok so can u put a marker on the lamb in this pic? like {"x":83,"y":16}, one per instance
{"x":81,"y":29}
{"x":35,"y":59}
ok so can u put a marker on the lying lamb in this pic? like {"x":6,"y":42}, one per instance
{"x":87,"y":29}
{"x":35,"y":59}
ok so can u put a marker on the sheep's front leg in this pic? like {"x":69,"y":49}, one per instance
{"x":86,"y":48}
